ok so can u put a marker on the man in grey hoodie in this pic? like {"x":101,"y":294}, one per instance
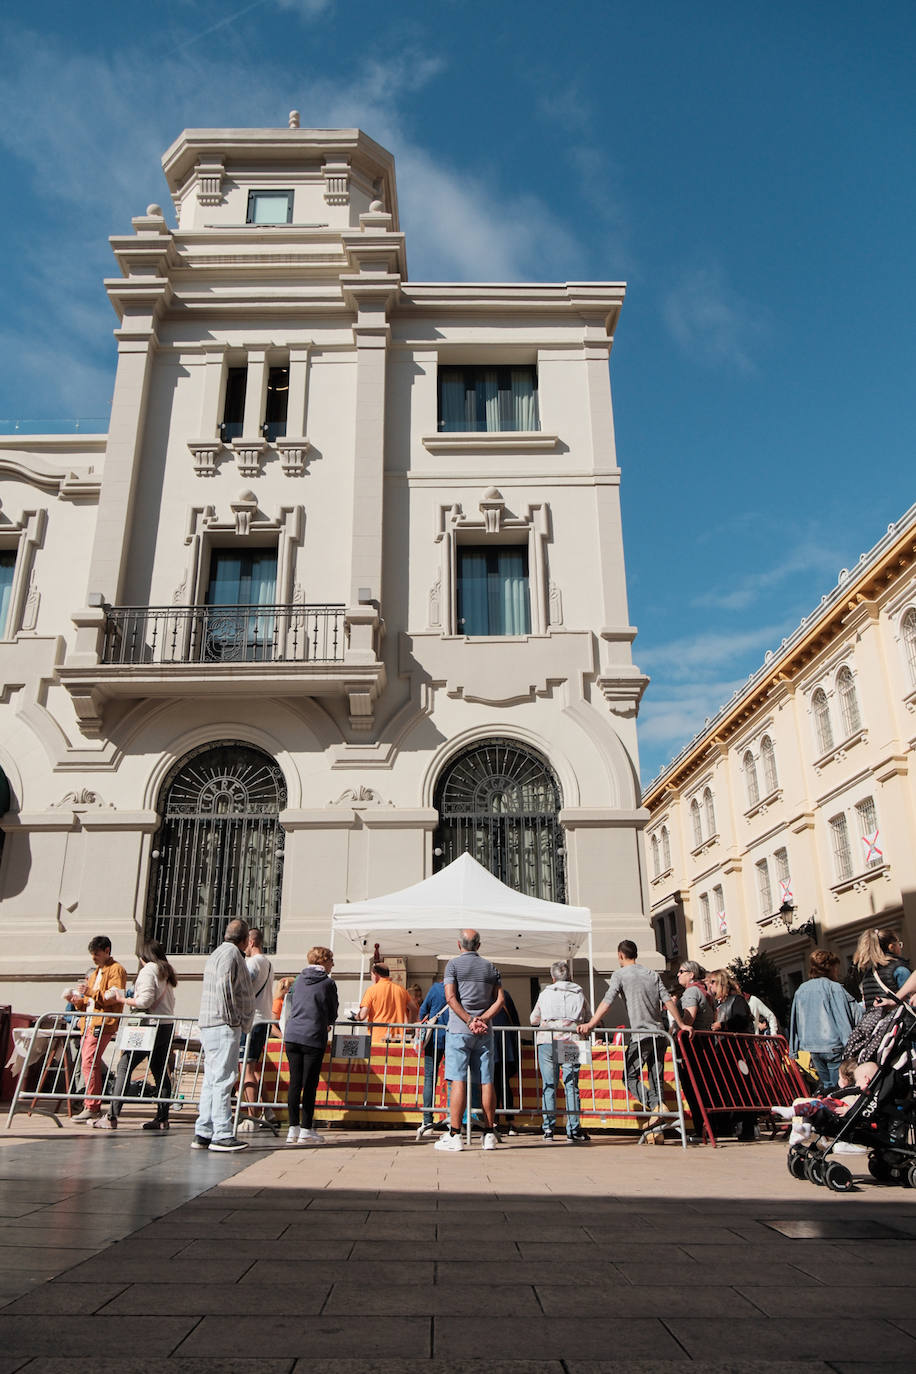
{"x":558,"y":1010}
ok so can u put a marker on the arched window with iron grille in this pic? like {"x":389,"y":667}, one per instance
{"x":219,"y":851}
{"x":501,"y":802}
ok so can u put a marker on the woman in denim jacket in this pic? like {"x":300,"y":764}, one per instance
{"x":823,"y":1015}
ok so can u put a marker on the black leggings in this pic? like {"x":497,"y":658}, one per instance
{"x":304,"y":1071}
{"x":157,"y":1073}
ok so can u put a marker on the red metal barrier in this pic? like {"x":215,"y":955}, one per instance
{"x":724,"y":1072}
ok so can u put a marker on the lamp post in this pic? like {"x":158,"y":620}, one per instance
{"x":786,"y":914}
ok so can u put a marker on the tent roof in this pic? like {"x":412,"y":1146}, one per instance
{"x":427,"y":917}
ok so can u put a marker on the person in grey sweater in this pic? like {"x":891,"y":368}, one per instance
{"x":313,"y":1007}
{"x":226,"y":1009}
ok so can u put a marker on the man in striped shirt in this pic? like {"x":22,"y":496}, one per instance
{"x":226,"y":1009}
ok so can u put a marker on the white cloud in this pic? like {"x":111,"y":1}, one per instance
{"x":702,"y":656}
{"x":808,"y":556}
{"x":89,"y":129}
{"x":674,"y":714}
{"x":712,"y":323}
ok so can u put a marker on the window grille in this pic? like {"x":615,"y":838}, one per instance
{"x":709,"y":812}
{"x":867,"y":818}
{"x":705,"y":918}
{"x":750,"y":779}
{"x":500,"y":802}
{"x":842,"y":855}
{"x":822,"y":726}
{"x":764,"y":890}
{"x":220,"y":849}
{"x":849,"y":702}
{"x":768,"y":756}
{"x":666,"y":849}
{"x":908,"y":626}
{"x":697,"y":823}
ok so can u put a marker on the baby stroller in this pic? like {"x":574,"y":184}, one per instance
{"x":882,"y":1119}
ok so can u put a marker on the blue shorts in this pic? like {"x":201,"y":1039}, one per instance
{"x":464,"y":1050}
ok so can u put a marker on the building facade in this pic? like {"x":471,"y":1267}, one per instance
{"x":797,"y":802}
{"x":339,"y":594}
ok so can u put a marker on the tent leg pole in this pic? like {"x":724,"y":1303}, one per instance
{"x":591,"y":973}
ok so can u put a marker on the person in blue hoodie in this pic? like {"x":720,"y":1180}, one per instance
{"x":431,"y":1010}
{"x":313,"y":1007}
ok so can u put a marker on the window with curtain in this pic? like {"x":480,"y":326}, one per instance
{"x":7,"y":573}
{"x":781,"y":860}
{"x":696,"y":823}
{"x":750,"y":779}
{"x":842,"y":855}
{"x":488,"y":400}
{"x":764,"y":891}
{"x":709,"y":812}
{"x":908,"y":629}
{"x":493,"y":591}
{"x":654,"y":850}
{"x":705,"y":921}
{"x":822,"y":727}
{"x":666,"y":849}
{"x":867,"y":818}
{"x":718,"y":902}
{"x":768,"y":758}
{"x":240,"y":579}
{"x":849,"y":702}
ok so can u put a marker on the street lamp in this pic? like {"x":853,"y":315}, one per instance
{"x":786,"y":914}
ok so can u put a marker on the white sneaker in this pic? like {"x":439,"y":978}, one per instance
{"x":292,"y":1135}
{"x":454,"y":1143}
{"x":87,"y":1115}
{"x":246,"y":1124}
{"x":423,"y":1131}
{"x":310,"y":1137}
{"x":489,"y":1140}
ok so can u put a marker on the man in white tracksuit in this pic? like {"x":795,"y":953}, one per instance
{"x":559,"y":1009}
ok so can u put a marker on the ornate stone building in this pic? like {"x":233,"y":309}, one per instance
{"x":339,"y":594}
{"x":792,"y":816}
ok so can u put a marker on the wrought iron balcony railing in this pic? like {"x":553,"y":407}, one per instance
{"x":223,"y":634}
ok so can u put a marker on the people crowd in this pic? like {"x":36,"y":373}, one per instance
{"x":467,"y":1022}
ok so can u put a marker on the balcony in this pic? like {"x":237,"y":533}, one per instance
{"x":187,"y":651}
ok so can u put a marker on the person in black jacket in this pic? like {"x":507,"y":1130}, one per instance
{"x":313,"y":1007}
{"x":732,"y":1014}
{"x":882,"y":967}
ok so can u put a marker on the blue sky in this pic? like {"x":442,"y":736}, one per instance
{"x":747,"y":169}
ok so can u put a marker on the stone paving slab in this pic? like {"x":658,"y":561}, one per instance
{"x":797,"y":1338}
{"x":412,"y":1300}
{"x":158,"y":1335}
{"x":217,"y":1299}
{"x":566,"y":1338}
{"x":320,"y":1337}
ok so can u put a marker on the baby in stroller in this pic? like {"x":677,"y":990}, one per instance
{"x":808,"y":1114}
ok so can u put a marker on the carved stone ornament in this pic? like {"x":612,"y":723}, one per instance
{"x":555,"y":601}
{"x":361,"y":795}
{"x":337,"y":183}
{"x":435,"y":604}
{"x":250,"y":454}
{"x":83,"y":796}
{"x":32,"y":603}
{"x":294,"y":456}
{"x":492,"y":508}
{"x":244,"y":508}
{"x":206,"y":455}
{"x":210,"y":181}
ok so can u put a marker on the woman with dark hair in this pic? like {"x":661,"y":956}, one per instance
{"x":882,"y":967}
{"x":154,"y":992}
{"x":823,"y":1017}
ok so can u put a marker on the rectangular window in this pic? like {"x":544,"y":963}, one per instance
{"x":277,"y":399}
{"x":488,"y":400}
{"x":781,"y":859}
{"x":842,"y":857}
{"x":234,"y":404}
{"x":718,"y":903}
{"x":493,"y":592}
{"x":705,"y":922}
{"x":270,"y":207}
{"x":7,"y":573}
{"x":764,"y":891}
{"x":239,"y":581}
{"x":867,"y":818}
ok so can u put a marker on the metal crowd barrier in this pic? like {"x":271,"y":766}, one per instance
{"x":52,"y":1053}
{"x":734,"y":1073}
{"x":380,"y":1069}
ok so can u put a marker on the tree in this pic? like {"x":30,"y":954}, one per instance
{"x":759,"y":974}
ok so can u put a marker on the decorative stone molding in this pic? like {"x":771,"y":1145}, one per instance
{"x":761,"y":807}
{"x":623,"y":693}
{"x":705,"y":844}
{"x":532,"y":529}
{"x":32,"y":604}
{"x":29,"y":531}
{"x":492,"y":508}
{"x":210,"y":172}
{"x":250,"y":455}
{"x":82,"y":797}
{"x":360,"y":796}
{"x":337,"y":183}
{"x":555,"y":605}
{"x":435,"y":603}
{"x":474,"y":442}
{"x":206,"y":454}
{"x":66,"y":484}
{"x":244,"y":509}
{"x":294,"y":456}
{"x":858,"y":882}
{"x":839,"y":751}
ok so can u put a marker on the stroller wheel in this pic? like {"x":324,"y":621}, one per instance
{"x":911,"y":1175}
{"x":838,"y":1178}
{"x":814,"y":1169}
{"x":795,"y":1161}
{"x":879,"y":1168}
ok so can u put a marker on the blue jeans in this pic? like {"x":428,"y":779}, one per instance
{"x":547,"y":1063}
{"x":827,"y":1068}
{"x":431,"y":1061}
{"x":221,"y":1069}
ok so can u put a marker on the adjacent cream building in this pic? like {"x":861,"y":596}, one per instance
{"x":800,"y":794}
{"x":339,"y":594}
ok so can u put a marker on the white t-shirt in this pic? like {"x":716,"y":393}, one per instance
{"x":261,"y":973}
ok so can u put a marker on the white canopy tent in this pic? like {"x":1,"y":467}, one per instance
{"x":426,"y":918}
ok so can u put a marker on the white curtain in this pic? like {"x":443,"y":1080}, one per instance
{"x":524,"y":399}
{"x":453,"y":412}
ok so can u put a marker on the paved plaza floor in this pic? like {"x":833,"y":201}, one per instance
{"x":132,"y":1253}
